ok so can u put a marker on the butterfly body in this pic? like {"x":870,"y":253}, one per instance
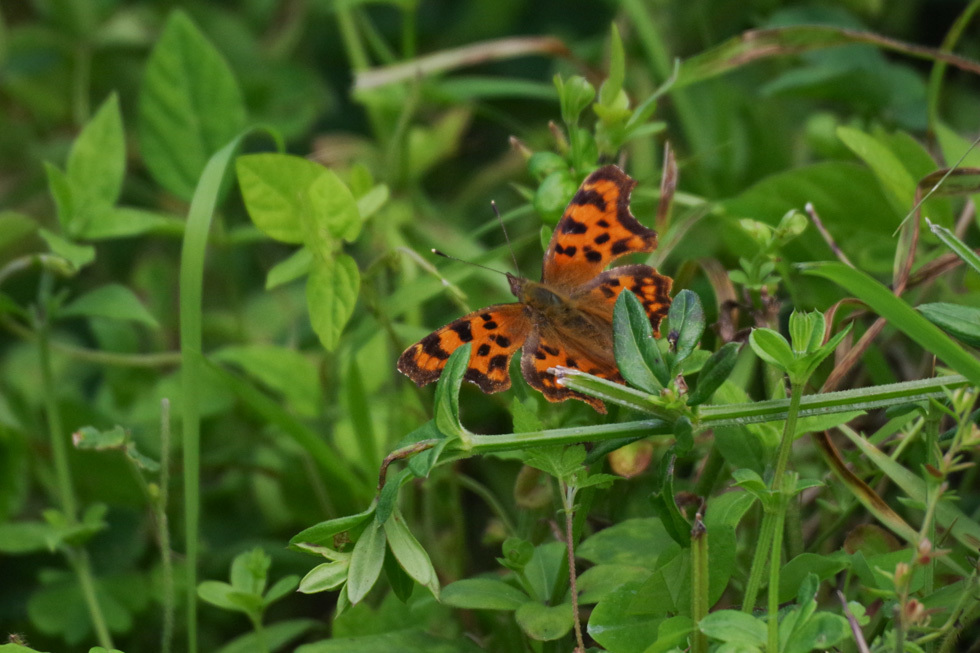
{"x":566,"y":318}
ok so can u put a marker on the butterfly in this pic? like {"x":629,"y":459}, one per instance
{"x":566,"y":318}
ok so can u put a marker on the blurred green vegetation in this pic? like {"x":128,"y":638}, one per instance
{"x":400,"y":122}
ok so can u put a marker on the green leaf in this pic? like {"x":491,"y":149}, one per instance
{"x":949,"y":516}
{"x":366,"y":562}
{"x":122,"y":222}
{"x":795,"y":571}
{"x":280,"y":588}
{"x":734,"y":626}
{"x":190,"y":106}
{"x":961,"y":249}
{"x":218,"y":593}
{"x":672,"y":634}
{"x":282,"y":369}
{"x":335,"y":210}
{"x":543,"y":622}
{"x":611,"y":87}
{"x":637,"y":354}
{"x":112,"y":301}
{"x":618,"y":625}
{"x":686,"y":318}
{"x":297,"y":265}
{"x":482,"y":594}
{"x":249,"y":571}
{"x":446,"y":407}
{"x":714,"y":372}
{"x":573,"y":96}
{"x":961,"y":322}
{"x":97,"y":165}
{"x":331,"y":292}
{"x":324,"y":532}
{"x":772,"y":347}
{"x":410,"y":554}
{"x":17,"y":538}
{"x":274,"y":637}
{"x":898,"y":182}
{"x":325,"y":576}
{"x":634,"y":542}
{"x":77,"y":255}
{"x":275,"y":189}
{"x":900,"y":316}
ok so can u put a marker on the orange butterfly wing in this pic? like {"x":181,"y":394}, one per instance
{"x":546,"y":348}
{"x":598,"y":297}
{"x":495,"y":333}
{"x":596,"y":228}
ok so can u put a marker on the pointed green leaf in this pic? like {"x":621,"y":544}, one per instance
{"x":111,"y":301}
{"x":410,"y":554}
{"x":331,"y":292}
{"x":686,"y":319}
{"x":366,"y":562}
{"x":275,"y":188}
{"x":297,"y":265}
{"x":334,"y":207}
{"x":97,"y":165}
{"x":325,"y":577}
{"x":447,"y":392}
{"x":77,"y":255}
{"x":190,"y":106}
{"x":544,"y":623}
{"x":713,"y":373}
{"x":961,"y":322}
{"x":482,"y":594}
{"x":637,"y":355}
{"x":771,"y":347}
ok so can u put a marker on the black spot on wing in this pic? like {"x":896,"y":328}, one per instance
{"x":498,"y":362}
{"x":503,"y":341}
{"x":607,"y":291}
{"x":589,"y":196}
{"x":433,"y":347}
{"x":593,"y":256}
{"x":490,"y":326}
{"x":483,"y":350}
{"x":551,"y":350}
{"x":463,"y":330}
{"x":620,"y":246}
{"x":601,"y":238}
{"x":570,"y":225}
{"x":603,"y":224}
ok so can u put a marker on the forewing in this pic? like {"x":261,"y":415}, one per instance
{"x":495,"y":333}
{"x":543,"y":351}
{"x":598,"y":297}
{"x":596,"y":228}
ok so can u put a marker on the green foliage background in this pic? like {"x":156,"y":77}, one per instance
{"x":113,"y":120}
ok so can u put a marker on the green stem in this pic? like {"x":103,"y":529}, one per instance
{"x":699,"y":583}
{"x":78,"y":558}
{"x":758,"y":562}
{"x":794,"y":529}
{"x":774,"y":564}
{"x":715,"y":416}
{"x":789,"y":436}
{"x":259,"y":632}
{"x":163,"y":523}
{"x":164,"y":359}
{"x":59,"y":444}
{"x":768,"y":536}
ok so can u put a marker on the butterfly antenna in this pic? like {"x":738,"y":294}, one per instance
{"x":439,"y":252}
{"x":503,"y":228}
